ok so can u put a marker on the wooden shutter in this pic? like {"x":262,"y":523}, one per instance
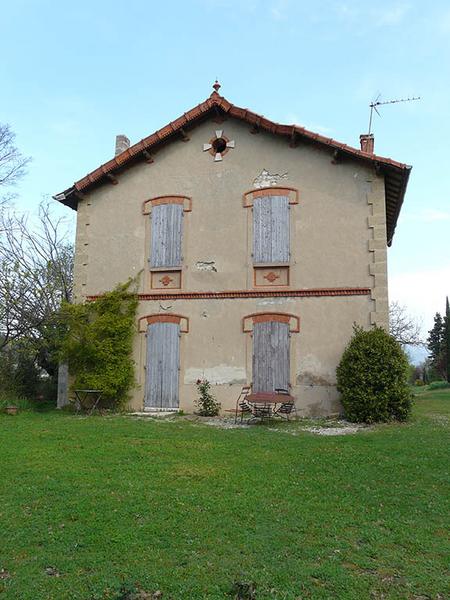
{"x":166,"y":235}
{"x":162,"y":372}
{"x":270,"y":356}
{"x":271,"y":229}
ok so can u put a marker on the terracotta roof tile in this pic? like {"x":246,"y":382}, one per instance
{"x":129,"y":156}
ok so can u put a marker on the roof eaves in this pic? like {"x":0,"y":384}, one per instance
{"x":69,"y":197}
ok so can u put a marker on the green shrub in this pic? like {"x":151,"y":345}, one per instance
{"x":418,"y":383}
{"x":98,"y":344}
{"x":207,"y":404}
{"x":438,"y":385}
{"x":372,"y":378}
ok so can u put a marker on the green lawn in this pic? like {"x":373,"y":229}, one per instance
{"x":89,"y":503}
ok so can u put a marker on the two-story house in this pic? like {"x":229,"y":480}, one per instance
{"x":259,"y":246}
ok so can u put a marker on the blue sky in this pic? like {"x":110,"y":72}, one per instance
{"x":74,"y":74}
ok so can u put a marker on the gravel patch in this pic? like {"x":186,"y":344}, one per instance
{"x":335,"y":427}
{"x":345,"y":430}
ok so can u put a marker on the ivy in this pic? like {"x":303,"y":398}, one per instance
{"x":98,"y":344}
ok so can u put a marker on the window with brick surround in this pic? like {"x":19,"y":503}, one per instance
{"x":165,"y":249}
{"x":271,"y":234}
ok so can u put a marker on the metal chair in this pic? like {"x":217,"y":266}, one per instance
{"x":242,"y":406}
{"x":286,"y":408}
{"x":262,"y":411}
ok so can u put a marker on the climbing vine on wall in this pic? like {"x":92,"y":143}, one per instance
{"x":98,"y":344}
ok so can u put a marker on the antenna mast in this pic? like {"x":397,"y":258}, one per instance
{"x":377,"y":102}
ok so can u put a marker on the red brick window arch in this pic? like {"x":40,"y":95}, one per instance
{"x":147,"y":320}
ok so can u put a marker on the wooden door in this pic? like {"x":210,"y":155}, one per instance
{"x":271,"y":364}
{"x":162,"y":372}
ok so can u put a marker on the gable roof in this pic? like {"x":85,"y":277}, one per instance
{"x":396,"y":174}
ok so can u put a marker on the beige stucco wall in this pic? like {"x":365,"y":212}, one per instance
{"x":337,"y":240}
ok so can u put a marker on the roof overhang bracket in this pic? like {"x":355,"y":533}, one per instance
{"x":219,"y":115}
{"x":337,"y":156}
{"x":112,"y":178}
{"x":294,"y":139}
{"x":184,"y":135}
{"x":148,"y":157}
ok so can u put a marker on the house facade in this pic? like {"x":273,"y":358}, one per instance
{"x":256,"y":245}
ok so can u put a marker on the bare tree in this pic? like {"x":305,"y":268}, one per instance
{"x":12,"y":163}
{"x":404,"y":328}
{"x":35,"y":277}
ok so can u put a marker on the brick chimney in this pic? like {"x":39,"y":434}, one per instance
{"x":122,"y":143}
{"x":367,"y":142}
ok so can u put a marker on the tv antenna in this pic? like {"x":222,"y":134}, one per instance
{"x":377,"y":102}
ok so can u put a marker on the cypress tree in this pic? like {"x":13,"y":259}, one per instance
{"x":435,"y":343}
{"x":447,"y":339}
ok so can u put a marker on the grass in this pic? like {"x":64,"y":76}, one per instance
{"x":87,"y":504}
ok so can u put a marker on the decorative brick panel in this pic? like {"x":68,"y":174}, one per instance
{"x":166,"y":280}
{"x":271,"y":276}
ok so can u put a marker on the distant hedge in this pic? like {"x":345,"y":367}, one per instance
{"x":373,"y":378}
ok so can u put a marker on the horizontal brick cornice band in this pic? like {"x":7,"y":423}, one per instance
{"x":318,"y":292}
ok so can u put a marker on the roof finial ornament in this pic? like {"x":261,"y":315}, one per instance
{"x":216,"y":86}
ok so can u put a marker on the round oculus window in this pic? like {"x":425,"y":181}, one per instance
{"x":219,"y":145}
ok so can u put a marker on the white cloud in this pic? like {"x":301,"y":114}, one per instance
{"x":346,"y":11}
{"x":65,"y":128}
{"x":278,"y":9}
{"x":444,"y":22}
{"x":293,"y":119}
{"x":430,"y":215}
{"x":423,"y":293}
{"x":392,"y":15}
{"x":427,"y":215}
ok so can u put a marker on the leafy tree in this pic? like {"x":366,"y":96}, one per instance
{"x":373,"y":378}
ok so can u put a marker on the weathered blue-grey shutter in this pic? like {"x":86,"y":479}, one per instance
{"x":271,"y":229}
{"x":166,"y":235}
{"x":162,"y":372}
{"x":270,"y":356}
